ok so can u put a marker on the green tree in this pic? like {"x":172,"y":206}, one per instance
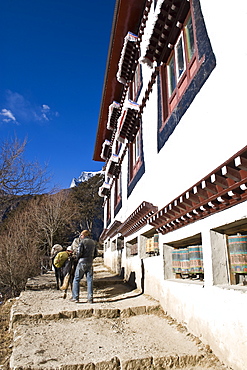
{"x":89,"y":203}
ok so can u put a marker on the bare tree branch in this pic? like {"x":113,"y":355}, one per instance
{"x":18,"y":176}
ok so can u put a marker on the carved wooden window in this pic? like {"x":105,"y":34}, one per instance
{"x":118,"y":190}
{"x":180,"y":68}
{"x":135,"y":155}
{"x":108,"y":209}
{"x":136,"y":84}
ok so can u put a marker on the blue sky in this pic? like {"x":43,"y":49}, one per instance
{"x":52,"y":66}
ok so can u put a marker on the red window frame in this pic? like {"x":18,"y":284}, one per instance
{"x":135,"y":160}
{"x":136,"y":83}
{"x":108,"y":209}
{"x":118,"y":190}
{"x":170,"y":101}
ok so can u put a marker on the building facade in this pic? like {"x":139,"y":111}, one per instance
{"x":172,"y":133}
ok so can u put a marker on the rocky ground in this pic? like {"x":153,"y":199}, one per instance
{"x":123,"y":329}
{"x":5,"y":335}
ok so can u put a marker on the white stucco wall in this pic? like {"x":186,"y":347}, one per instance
{"x":211,"y":131}
{"x":213,"y":128}
{"x":214,"y":313}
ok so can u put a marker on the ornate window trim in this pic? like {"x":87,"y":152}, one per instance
{"x":207,"y":64}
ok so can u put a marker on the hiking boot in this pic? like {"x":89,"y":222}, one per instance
{"x":74,"y":300}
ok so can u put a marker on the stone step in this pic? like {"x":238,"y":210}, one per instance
{"x":122,"y":330}
{"x":137,"y":342}
{"x":117,"y":300}
{"x":18,"y":317}
{"x":48,"y":281}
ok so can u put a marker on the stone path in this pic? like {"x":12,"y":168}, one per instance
{"x":122,"y":330}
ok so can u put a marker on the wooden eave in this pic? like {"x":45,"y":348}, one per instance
{"x":137,"y":219}
{"x":224,"y":187}
{"x":103,"y":235}
{"x":113,"y":167}
{"x":129,"y":60}
{"x":113,"y":229}
{"x":166,"y":29}
{"x":130,"y":125}
{"x":127,"y":17}
{"x":114,"y":170}
{"x":104,"y":190}
{"x":112,"y":120}
{"x":106,"y":150}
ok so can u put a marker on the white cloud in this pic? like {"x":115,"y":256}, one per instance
{"x":44,"y":116}
{"x":8,"y":115}
{"x":22,"y":110}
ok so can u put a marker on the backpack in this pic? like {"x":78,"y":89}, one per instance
{"x":60,"y":259}
{"x":55,"y":249}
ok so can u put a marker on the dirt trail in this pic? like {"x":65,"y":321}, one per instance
{"x":123,"y":329}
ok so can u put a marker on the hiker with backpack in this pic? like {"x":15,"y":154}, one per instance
{"x":59,"y":256}
{"x":76,"y":242}
{"x":87,"y":251}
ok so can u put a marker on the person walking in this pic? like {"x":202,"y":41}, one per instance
{"x":87,"y":251}
{"x":76,"y":242}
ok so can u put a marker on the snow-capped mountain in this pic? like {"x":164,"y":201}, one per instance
{"x":84,"y":176}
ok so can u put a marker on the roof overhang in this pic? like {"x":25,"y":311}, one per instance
{"x":113,"y":166}
{"x":224,"y":187}
{"x":106,"y":150}
{"x":129,"y":123}
{"x":137,"y":219}
{"x":104,"y":190}
{"x":127,"y":17}
{"x":170,"y":16}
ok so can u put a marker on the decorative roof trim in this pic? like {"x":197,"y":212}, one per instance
{"x":224,"y":187}
{"x":104,"y":190}
{"x":106,"y":149}
{"x":129,"y":15}
{"x":137,"y":219}
{"x":128,"y":58}
{"x":167,"y":21}
{"x":111,"y":231}
{"x":149,"y":88}
{"x":113,"y":167}
{"x":129,"y":122}
{"x":103,"y":235}
{"x":113,"y":115}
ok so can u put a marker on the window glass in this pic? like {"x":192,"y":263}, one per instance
{"x":118,"y":190}
{"x":180,"y":57}
{"x":119,"y":185}
{"x":189,"y":36}
{"x":171,"y":76}
{"x":135,"y":155}
{"x":108,"y":209}
{"x":135,"y":85}
{"x":137,"y":146}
